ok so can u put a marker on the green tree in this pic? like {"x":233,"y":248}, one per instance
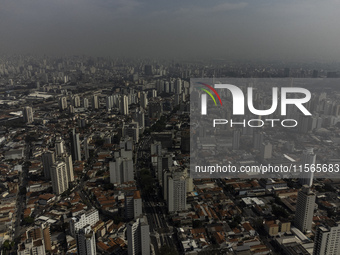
{"x":278,"y":211}
{"x":7,"y":246}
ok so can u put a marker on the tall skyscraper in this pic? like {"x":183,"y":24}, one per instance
{"x":178,"y":99}
{"x":59,"y":146}
{"x":75,"y":145}
{"x":154,"y":93}
{"x":59,"y":177}
{"x":86,"y":103}
{"x":95,"y":102}
{"x":143,"y":100}
{"x":308,"y":158}
{"x":138,"y":236}
{"x":62,"y":103}
{"x":86,"y":148}
{"x":163,"y":163}
{"x":47,"y":236}
{"x":266,"y":150}
{"x":167,"y":87}
{"x":124,"y":105}
{"x":160,"y":86}
{"x":27,"y":115}
{"x":327,"y":239}
{"x":139,"y":117}
{"x":133,"y":205}
{"x":109,"y":103}
{"x":48,"y":160}
{"x":76,"y":101}
{"x":305,"y":209}
{"x":175,"y":190}
{"x":69,"y":166}
{"x":178,"y":86}
{"x":121,"y":170}
{"x":160,"y":170}
{"x":86,"y":241}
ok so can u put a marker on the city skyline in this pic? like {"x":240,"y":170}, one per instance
{"x":143,"y":127}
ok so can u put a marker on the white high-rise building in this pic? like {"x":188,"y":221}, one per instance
{"x":59,"y":177}
{"x":86,"y":103}
{"x":138,"y":236}
{"x":109,"y":103}
{"x":86,"y":241}
{"x":62,"y":103}
{"x":27,"y":115}
{"x":266,"y":150}
{"x":48,"y":160}
{"x":167,"y":87}
{"x":121,"y":170}
{"x":308,"y":159}
{"x":95,"y":102}
{"x":69,"y":166}
{"x":76,"y":101}
{"x":176,"y":191}
{"x":124,"y":105}
{"x":305,"y":209}
{"x":154,"y":93}
{"x":133,"y":204}
{"x":59,"y":146}
{"x":327,"y":239}
{"x":178,"y":86}
{"x":90,"y":217}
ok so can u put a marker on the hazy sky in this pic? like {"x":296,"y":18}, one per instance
{"x":265,"y":29}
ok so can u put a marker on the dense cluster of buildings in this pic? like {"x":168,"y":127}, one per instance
{"x":95,"y":159}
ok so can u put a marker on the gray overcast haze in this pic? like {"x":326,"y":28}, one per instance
{"x":255,"y":29}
